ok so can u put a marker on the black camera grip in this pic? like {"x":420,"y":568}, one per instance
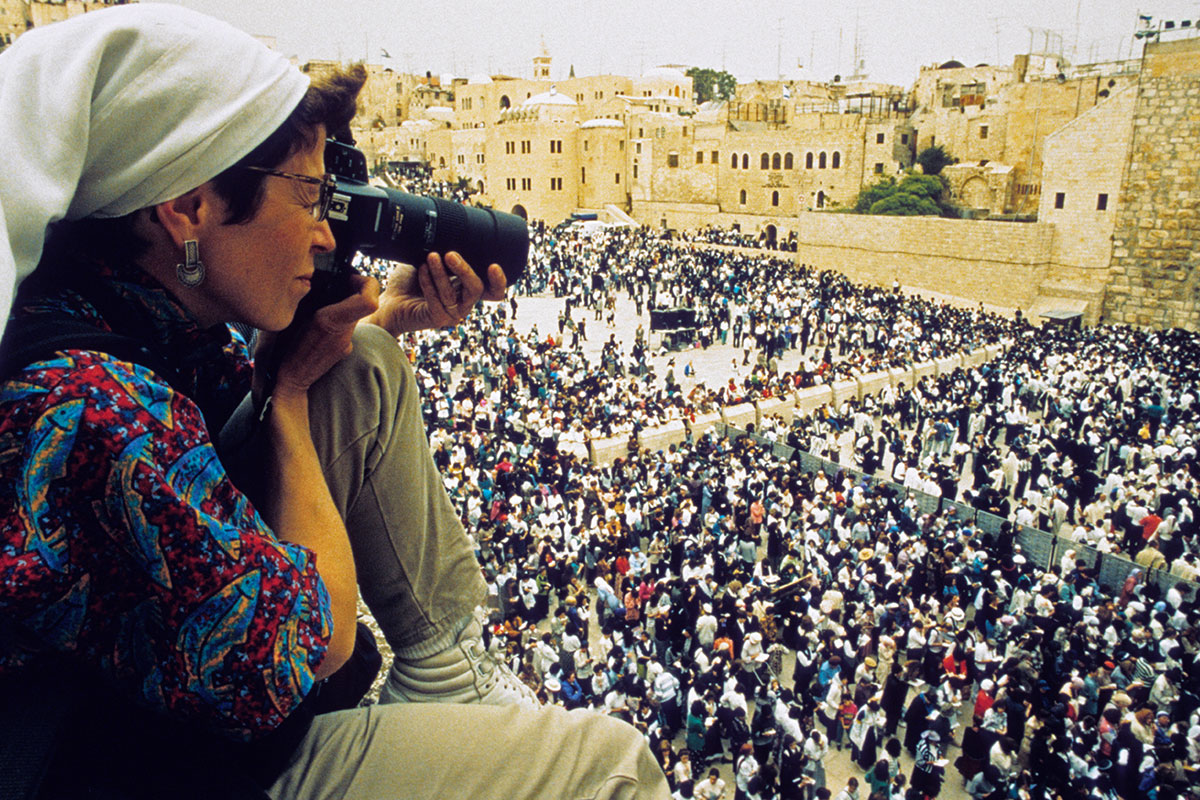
{"x":328,"y":287}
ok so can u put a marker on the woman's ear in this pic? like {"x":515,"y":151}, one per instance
{"x":187,"y":216}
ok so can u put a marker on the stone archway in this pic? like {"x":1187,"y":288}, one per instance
{"x":519,"y":210}
{"x":976,"y":194}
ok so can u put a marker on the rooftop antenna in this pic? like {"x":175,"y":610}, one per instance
{"x":996,"y":21}
{"x":779,"y":52}
{"x":839,"y":52}
{"x":1075,"y":45}
{"x":859,"y":61}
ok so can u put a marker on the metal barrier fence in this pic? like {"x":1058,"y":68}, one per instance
{"x":1040,"y":548}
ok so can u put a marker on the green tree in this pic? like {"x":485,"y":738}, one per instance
{"x":931,"y":186}
{"x":903,"y":204}
{"x":709,"y":84}
{"x":934,"y":159}
{"x":873,"y":194}
{"x":726,"y":85}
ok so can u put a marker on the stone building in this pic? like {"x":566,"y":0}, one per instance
{"x":994,"y":120}
{"x":18,"y":16}
{"x":1155,"y":268}
{"x":14,"y":20}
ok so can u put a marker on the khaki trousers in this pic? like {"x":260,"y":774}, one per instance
{"x":418,"y":574}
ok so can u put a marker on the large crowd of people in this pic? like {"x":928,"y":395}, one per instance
{"x":737,"y":608}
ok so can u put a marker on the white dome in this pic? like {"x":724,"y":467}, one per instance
{"x":417,"y":124}
{"x":550,"y":98}
{"x":668,"y":73}
{"x":478,"y":78}
{"x":440,"y":112}
{"x":602,"y":122}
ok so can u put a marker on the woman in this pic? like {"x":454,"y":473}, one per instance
{"x":204,"y":588}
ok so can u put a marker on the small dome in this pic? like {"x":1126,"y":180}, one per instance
{"x":602,"y":122}
{"x":550,"y":98}
{"x":668,"y":73}
{"x":952,"y":65}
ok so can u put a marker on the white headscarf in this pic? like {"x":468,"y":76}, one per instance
{"x":120,"y":109}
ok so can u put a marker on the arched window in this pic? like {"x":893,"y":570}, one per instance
{"x":820,"y":199}
{"x":808,"y":160}
{"x":837,"y":159}
{"x":787,"y":160}
{"x":764,"y":161}
{"x":774,"y":198}
{"x":504,"y":101}
{"x":442,"y":161}
{"x":733,"y":161}
{"x":745,"y":161}
{"x":821,"y":161}
{"x":776,"y":161}
{"x":742,"y":197}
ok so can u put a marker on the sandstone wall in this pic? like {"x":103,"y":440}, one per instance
{"x":1155,"y":273}
{"x":999,"y":263}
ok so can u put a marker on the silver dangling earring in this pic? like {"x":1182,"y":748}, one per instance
{"x":191,"y":272}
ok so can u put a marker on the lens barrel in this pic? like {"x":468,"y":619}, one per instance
{"x":386,"y":223}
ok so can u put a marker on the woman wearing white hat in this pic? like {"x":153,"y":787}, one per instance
{"x":202,"y":595}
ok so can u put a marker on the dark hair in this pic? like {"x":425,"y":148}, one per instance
{"x":331,"y":101}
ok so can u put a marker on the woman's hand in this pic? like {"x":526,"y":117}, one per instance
{"x":437,"y":294}
{"x":324,"y":342}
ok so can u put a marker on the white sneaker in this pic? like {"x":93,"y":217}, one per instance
{"x":465,"y":672}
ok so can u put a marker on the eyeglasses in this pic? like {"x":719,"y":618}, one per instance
{"x":325,"y":185}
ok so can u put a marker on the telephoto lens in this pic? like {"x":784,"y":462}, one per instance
{"x":396,"y":226}
{"x":390,"y":224}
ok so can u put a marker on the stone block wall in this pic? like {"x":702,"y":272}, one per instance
{"x":999,"y":263}
{"x":1155,"y":271}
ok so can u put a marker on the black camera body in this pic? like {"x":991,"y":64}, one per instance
{"x":397,"y":226}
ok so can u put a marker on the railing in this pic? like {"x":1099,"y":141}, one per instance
{"x":1039,"y":548}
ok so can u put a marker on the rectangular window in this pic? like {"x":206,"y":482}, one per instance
{"x":673,"y":159}
{"x":699,"y":156}
{"x":904,"y":138}
{"x":510,"y":148}
{"x":1060,"y":199}
{"x":879,"y":138}
{"x":556,"y":184}
{"x":583,"y":174}
{"x":878,"y":167}
{"x":713,"y":156}
{"x":635,"y":172}
{"x":526,"y":184}
{"x":510,"y":184}
{"x":556,"y":145}
{"x":617,"y":179}
{"x":526,"y":146}
{"x":585,"y":145}
{"x":640,"y":135}
{"x":621,"y":145}
{"x":1102,"y":202}
{"x":637,"y":147}
{"x":983,"y":131}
